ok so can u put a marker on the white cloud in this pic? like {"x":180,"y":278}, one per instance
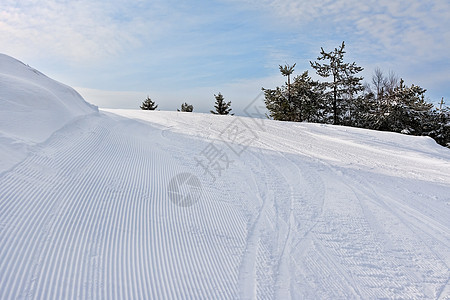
{"x":74,"y":30}
{"x":401,"y":28}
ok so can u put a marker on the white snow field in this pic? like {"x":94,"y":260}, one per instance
{"x":128,"y":204}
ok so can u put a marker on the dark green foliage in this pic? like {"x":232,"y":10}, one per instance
{"x":306,"y":99}
{"x":393,"y":106}
{"x":222,"y":107}
{"x":403,"y":109}
{"x":186,"y":107}
{"x":148,"y":104}
{"x":304,"y":104}
{"x":358,"y":111}
{"x":366,"y":111}
{"x":408,"y":110}
{"x":277,"y":104}
{"x":440,"y":131}
{"x":441,"y":125}
{"x":344,"y":86}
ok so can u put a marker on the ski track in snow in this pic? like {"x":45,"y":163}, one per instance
{"x":86,"y":215}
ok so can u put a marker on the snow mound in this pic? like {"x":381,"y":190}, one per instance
{"x":33,"y":107}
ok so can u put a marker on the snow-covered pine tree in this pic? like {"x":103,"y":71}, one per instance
{"x":222,"y":107}
{"x":307,"y":99}
{"x":277,"y":104}
{"x":299,"y":101}
{"x":405,"y":110}
{"x":148,"y":104}
{"x":441,"y":125}
{"x":344,"y":85}
{"x":302,"y":97}
{"x":186,"y":107}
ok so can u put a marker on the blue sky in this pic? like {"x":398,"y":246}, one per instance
{"x":115,"y":53}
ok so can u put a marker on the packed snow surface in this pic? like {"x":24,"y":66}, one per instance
{"x":128,"y":204}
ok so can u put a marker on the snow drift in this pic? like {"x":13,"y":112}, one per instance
{"x":33,"y":106}
{"x":126,"y":204}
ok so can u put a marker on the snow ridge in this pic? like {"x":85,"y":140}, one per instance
{"x":33,"y":106}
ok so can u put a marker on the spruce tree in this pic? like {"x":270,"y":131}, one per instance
{"x":306,"y":99}
{"x":148,"y":104}
{"x":344,"y":85}
{"x":186,"y":107}
{"x":441,"y":126}
{"x":221,"y":107}
{"x":299,"y":101}
{"x":405,"y":110}
{"x":277,"y":104}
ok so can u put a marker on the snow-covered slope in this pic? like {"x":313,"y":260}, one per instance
{"x":33,"y":106}
{"x":139,"y":205}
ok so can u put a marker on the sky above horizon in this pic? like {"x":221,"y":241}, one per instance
{"x":117,"y":52}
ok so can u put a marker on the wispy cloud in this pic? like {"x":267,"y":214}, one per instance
{"x":397,"y":28}
{"x":81,"y":30}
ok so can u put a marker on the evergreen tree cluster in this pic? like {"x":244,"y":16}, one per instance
{"x":186,"y":107}
{"x":386,"y":104}
{"x":221,"y":107}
